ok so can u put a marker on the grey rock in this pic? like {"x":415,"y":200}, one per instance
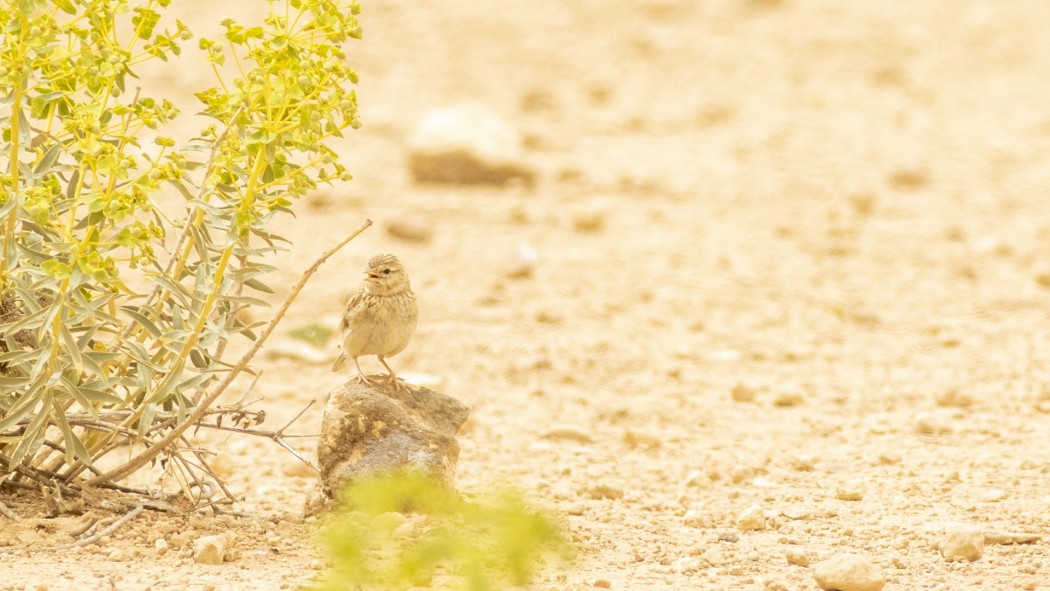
{"x":368,"y":430}
{"x":467,"y":144}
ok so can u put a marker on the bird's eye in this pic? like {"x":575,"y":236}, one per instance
{"x":386,"y":271}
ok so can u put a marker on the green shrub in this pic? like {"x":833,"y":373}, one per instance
{"x":115,"y":313}
{"x":489,"y":543}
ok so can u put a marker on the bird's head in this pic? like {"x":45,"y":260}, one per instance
{"x":385,"y":275}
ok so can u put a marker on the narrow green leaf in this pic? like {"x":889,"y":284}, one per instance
{"x":84,"y":340}
{"x":31,"y":322}
{"x":24,"y":129}
{"x":25,"y":405}
{"x":66,"y":6}
{"x":9,"y":383}
{"x":71,"y":188}
{"x":9,"y":205}
{"x":137,"y":352}
{"x":93,"y":360}
{"x":196,"y":381}
{"x":182,"y":189}
{"x":246,"y":300}
{"x":48,"y":160}
{"x":67,"y":433}
{"x":33,"y":436}
{"x":147,"y":419}
{"x":18,"y":357}
{"x":259,"y":286}
{"x":100,"y":396}
{"x":72,"y":347}
{"x":167,"y":386}
{"x":198,"y":359}
{"x":143,"y":320}
{"x":173,"y":287}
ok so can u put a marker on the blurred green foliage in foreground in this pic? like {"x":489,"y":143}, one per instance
{"x":314,"y":334}
{"x":491,"y":542}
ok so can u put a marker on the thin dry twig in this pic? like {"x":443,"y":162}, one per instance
{"x":201,"y":410}
{"x":8,"y":513}
{"x":104,"y":421}
{"x":89,"y":526}
{"x":277,"y":436}
{"x":105,"y":532}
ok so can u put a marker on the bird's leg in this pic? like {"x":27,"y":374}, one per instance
{"x":361,"y":379}
{"x":392,"y":378}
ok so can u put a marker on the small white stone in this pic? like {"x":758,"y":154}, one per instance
{"x":740,"y":473}
{"x":848,"y":572}
{"x":992,"y":495}
{"x":962,"y":544}
{"x":954,"y":398}
{"x":589,"y":218}
{"x":714,"y":556}
{"x":803,"y":462}
{"x":759,"y":482}
{"x":889,"y":458}
{"x":410,"y":228}
{"x":686,"y":565}
{"x":209,"y":550}
{"x":852,"y":490}
{"x":570,"y":433}
{"x":408,"y":529}
{"x":161,"y":547}
{"x":743,"y":393}
{"x":797,"y":557}
{"x":753,"y":518}
{"x":697,"y":478}
{"x":388,"y":522}
{"x":788,"y":398}
{"x":522,"y":262}
{"x":930,"y":424}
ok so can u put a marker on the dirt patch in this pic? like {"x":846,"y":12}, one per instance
{"x":789,"y":294}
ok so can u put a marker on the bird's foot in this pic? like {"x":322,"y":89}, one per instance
{"x":365,"y":381}
{"x":399,"y":384}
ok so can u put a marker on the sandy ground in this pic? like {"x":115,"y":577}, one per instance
{"x":791,"y":255}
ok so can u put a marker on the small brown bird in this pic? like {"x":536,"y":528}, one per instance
{"x":380,"y":319}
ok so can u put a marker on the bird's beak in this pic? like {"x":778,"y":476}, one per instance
{"x":371,"y":275}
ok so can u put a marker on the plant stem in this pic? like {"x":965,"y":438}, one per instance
{"x":12,"y":216}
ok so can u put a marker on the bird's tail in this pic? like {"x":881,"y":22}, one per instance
{"x":339,"y":362}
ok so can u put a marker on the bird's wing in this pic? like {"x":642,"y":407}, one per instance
{"x":346,"y":324}
{"x":353,"y":309}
